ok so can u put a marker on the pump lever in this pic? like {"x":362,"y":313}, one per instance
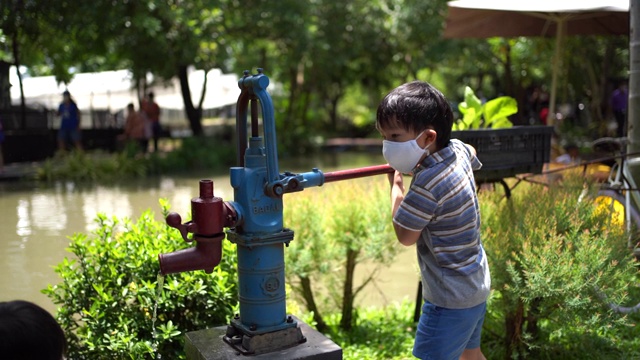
{"x":175,"y":221}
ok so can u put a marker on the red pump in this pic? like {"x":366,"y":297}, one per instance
{"x":210,"y":216}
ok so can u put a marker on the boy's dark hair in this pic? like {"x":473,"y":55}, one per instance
{"x":28,"y":331}
{"x":416,"y":106}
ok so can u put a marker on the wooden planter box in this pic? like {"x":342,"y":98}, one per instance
{"x":508,"y":152}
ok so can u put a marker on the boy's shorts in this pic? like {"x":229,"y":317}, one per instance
{"x":445,"y":333}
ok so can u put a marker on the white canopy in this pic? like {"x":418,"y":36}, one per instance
{"x":112,"y":90}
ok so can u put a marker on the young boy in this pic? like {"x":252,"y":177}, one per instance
{"x":439,"y":213}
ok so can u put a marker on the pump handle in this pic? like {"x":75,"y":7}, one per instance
{"x":175,"y":221}
{"x":357,"y":173}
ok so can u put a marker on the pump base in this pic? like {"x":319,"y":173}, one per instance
{"x":209,"y":345}
{"x":264,"y":343}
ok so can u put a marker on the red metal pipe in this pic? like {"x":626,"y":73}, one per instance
{"x":204,"y":256}
{"x":357,"y":173}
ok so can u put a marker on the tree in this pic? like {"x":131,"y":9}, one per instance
{"x":167,"y":38}
{"x":335,"y":231}
{"x":22,"y":30}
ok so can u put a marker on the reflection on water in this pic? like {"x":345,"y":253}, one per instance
{"x":37,"y":220}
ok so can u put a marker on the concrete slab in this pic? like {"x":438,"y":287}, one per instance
{"x":208,"y":345}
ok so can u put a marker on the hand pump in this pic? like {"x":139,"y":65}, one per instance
{"x":254,"y":222}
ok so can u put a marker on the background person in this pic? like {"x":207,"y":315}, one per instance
{"x":439,"y":213}
{"x":69,"y":132}
{"x":571,"y":155}
{"x":152,"y":111}
{"x":29,"y":332}
{"x":619,"y":102}
{"x":135,"y":128}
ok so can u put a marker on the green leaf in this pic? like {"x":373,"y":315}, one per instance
{"x":498,"y":109}
{"x":492,"y":114}
{"x":471,"y":109}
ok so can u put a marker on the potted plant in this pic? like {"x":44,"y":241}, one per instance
{"x":504,"y":150}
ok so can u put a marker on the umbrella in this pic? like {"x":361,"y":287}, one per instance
{"x":510,"y":18}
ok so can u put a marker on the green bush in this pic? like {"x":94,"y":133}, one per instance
{"x":109,"y":291}
{"x":195,"y":153}
{"x":92,"y":166}
{"x":555,"y":268}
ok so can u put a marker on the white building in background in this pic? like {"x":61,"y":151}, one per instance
{"x":109,"y":92}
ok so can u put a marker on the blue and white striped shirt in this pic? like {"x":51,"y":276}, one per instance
{"x":442,"y":203}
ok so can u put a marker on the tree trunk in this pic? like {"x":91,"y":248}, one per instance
{"x":16,"y":63}
{"x":307,"y":294}
{"x":288,"y":124}
{"x":508,"y":76}
{"x":194,"y":115}
{"x":347,"y":292}
{"x":204,"y":90}
{"x":532,"y":318}
{"x":333,"y":111}
{"x":513,"y":330}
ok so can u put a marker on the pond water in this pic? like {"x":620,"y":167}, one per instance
{"x":37,"y":220}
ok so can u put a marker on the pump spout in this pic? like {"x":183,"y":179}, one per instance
{"x":204,"y":256}
{"x":210,"y":216}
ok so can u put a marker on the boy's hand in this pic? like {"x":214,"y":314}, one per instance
{"x":396,"y":178}
{"x":397,"y":190}
{"x":405,"y":237}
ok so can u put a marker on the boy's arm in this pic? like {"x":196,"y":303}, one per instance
{"x":471,"y":149}
{"x":475,"y":163}
{"x":405,"y":237}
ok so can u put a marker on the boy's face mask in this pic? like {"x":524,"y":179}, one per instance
{"x":403,"y":156}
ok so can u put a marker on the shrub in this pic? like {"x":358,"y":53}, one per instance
{"x":108,"y":292}
{"x":195,"y":153}
{"x":555,"y":268}
{"x":92,"y":166}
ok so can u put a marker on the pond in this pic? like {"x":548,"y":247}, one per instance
{"x":38,"y":219}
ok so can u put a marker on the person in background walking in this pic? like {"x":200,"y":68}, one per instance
{"x":152,"y":111}
{"x":619,"y":102}
{"x":70,"y":124}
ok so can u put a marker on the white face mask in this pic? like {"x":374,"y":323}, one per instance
{"x":403,"y":156}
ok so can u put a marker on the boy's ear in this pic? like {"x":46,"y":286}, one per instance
{"x":430,"y":136}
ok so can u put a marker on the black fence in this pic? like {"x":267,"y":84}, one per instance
{"x":31,"y":138}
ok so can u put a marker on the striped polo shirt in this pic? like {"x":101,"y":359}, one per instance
{"x":442,"y":203}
